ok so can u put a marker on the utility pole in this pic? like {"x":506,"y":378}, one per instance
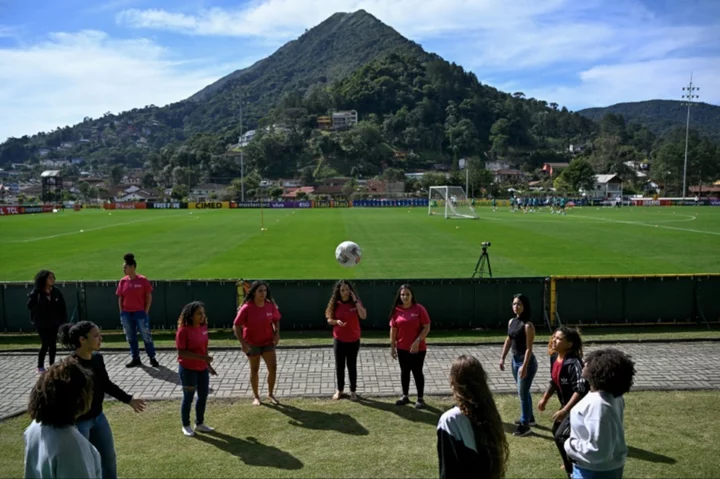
{"x":242,"y":156}
{"x":689,"y":97}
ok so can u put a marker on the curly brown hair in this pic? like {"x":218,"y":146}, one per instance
{"x":609,"y":370}
{"x":62,"y":394}
{"x":187,"y":313}
{"x":335,"y":297}
{"x":472,"y":394}
{"x":573,"y":336}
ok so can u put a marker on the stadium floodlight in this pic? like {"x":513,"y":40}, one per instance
{"x":689,"y":97}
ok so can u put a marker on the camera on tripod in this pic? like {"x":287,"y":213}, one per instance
{"x":483,"y":262}
{"x":485,"y":244}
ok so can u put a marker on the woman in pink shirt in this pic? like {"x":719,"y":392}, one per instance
{"x":409,"y":326}
{"x":257,"y":327}
{"x":134,"y":294}
{"x":344,"y":312}
{"x":191,"y":341}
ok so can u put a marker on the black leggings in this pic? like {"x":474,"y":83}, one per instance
{"x":561,"y":433}
{"x":412,"y":363}
{"x":346,"y":352}
{"x":48,"y":338}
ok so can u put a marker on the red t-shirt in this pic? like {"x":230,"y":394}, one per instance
{"x":409,"y":322}
{"x":257,"y":323}
{"x":195,"y":340}
{"x":132,"y":292}
{"x":555,"y":372}
{"x":347,"y":313}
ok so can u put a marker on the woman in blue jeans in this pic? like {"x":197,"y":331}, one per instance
{"x":521,"y":335}
{"x":84,"y":337}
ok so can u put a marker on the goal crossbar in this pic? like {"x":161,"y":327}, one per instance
{"x":451,"y":202}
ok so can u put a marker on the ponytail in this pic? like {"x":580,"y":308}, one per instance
{"x":69,"y":334}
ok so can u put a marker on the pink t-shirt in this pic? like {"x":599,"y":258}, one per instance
{"x":132,"y":292}
{"x":409,"y":322}
{"x":257,"y":322}
{"x":193,"y":339}
{"x":347,"y":313}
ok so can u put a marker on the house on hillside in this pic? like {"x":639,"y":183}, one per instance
{"x":292,"y":193}
{"x":554,"y":169}
{"x":204,"y":191}
{"x":497,"y":165}
{"x":134,"y":194}
{"x":342,"y":120}
{"x":508,"y":176}
{"x":607,"y":187}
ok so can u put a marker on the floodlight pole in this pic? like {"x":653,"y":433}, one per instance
{"x":242,"y":157}
{"x":689,"y":96}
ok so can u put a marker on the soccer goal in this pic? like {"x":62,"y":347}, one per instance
{"x":450,"y":202}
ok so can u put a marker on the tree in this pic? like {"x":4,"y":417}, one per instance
{"x":179,"y":192}
{"x":148,"y":180}
{"x":393,"y":174}
{"x":116,"y":174}
{"x":84,"y":188}
{"x":276,"y":192}
{"x":579,"y":174}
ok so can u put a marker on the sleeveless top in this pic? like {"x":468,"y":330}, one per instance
{"x":516,"y":331}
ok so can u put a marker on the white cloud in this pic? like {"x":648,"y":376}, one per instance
{"x":604,"y":85}
{"x":73,"y":75}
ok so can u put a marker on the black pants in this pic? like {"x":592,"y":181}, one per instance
{"x":412,"y":363}
{"x":346,"y":353}
{"x":561,"y":433}
{"x":48,"y":338}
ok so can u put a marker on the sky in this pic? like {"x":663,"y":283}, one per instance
{"x":61,"y":61}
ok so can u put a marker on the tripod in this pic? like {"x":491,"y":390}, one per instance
{"x":483,"y":261}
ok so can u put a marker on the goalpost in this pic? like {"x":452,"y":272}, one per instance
{"x":451,"y":202}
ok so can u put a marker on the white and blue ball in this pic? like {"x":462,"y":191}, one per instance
{"x":348,"y":254}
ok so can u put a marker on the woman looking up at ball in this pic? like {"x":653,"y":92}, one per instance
{"x":344,"y":312}
{"x":409,"y":326}
{"x":257,"y":327}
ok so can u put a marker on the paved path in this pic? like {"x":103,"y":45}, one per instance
{"x":310,"y":372}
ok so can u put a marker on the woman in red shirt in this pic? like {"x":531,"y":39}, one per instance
{"x":191,"y":341}
{"x":409,"y":326}
{"x":344,"y":312}
{"x":257,"y":327}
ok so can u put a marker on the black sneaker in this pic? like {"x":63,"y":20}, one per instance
{"x":134,"y":363}
{"x":154,"y":363}
{"x":522,"y":431}
{"x":420,"y":404}
{"x":531,"y":423}
{"x":402,"y":401}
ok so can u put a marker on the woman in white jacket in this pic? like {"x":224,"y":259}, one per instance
{"x":596,"y":446}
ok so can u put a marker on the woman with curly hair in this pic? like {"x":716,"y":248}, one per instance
{"x":596,"y":445}
{"x":47,"y":313}
{"x":409,"y":326}
{"x":471,"y":437}
{"x":344,"y":312}
{"x":191,"y":341}
{"x":53,"y":446}
{"x":566,"y":380}
{"x":521,"y":336}
{"x":257,"y":327}
{"x":85,"y":338}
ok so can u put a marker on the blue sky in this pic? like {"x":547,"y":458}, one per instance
{"x":62,"y":61}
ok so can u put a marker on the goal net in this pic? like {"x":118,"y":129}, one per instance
{"x":450,"y":202}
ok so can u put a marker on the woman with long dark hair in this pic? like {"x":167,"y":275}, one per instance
{"x":47,"y":313}
{"x":344,"y":312}
{"x":409,"y":326}
{"x":134,"y":293}
{"x":521,"y":336}
{"x":257,"y":327}
{"x":85,"y":339}
{"x":191,"y":341}
{"x":566,"y":380}
{"x":53,"y":446}
{"x":471,"y":437}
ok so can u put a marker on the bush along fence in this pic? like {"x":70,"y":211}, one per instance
{"x":451,"y":303}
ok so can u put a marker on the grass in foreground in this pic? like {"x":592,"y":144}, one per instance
{"x":397,"y":243}
{"x":669,"y":435}
{"x":224,"y":338}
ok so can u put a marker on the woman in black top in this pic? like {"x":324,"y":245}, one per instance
{"x":47,"y":313}
{"x":521,"y":335}
{"x":85,"y":338}
{"x":566,"y":380}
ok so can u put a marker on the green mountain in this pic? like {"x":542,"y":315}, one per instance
{"x":661,"y":116}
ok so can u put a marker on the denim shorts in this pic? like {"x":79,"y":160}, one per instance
{"x":259,"y":350}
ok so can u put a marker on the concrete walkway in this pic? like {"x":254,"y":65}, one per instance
{"x":311,"y":372}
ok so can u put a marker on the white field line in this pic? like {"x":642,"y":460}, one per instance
{"x":649,"y":225}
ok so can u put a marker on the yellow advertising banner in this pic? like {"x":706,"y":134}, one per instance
{"x":209,"y":205}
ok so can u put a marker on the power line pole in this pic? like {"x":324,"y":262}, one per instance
{"x":242,"y":156}
{"x":689,"y":97}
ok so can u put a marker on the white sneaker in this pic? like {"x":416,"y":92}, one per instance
{"x":203,"y":428}
{"x":188,"y":431}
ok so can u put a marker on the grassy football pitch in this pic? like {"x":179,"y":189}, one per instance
{"x":396,"y":243}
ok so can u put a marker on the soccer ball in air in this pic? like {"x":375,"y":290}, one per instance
{"x":348,"y":254}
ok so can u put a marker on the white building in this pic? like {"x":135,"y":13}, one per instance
{"x":344,"y":119}
{"x":607,"y":187}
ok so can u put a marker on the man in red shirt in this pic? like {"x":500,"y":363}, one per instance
{"x":134,"y":294}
